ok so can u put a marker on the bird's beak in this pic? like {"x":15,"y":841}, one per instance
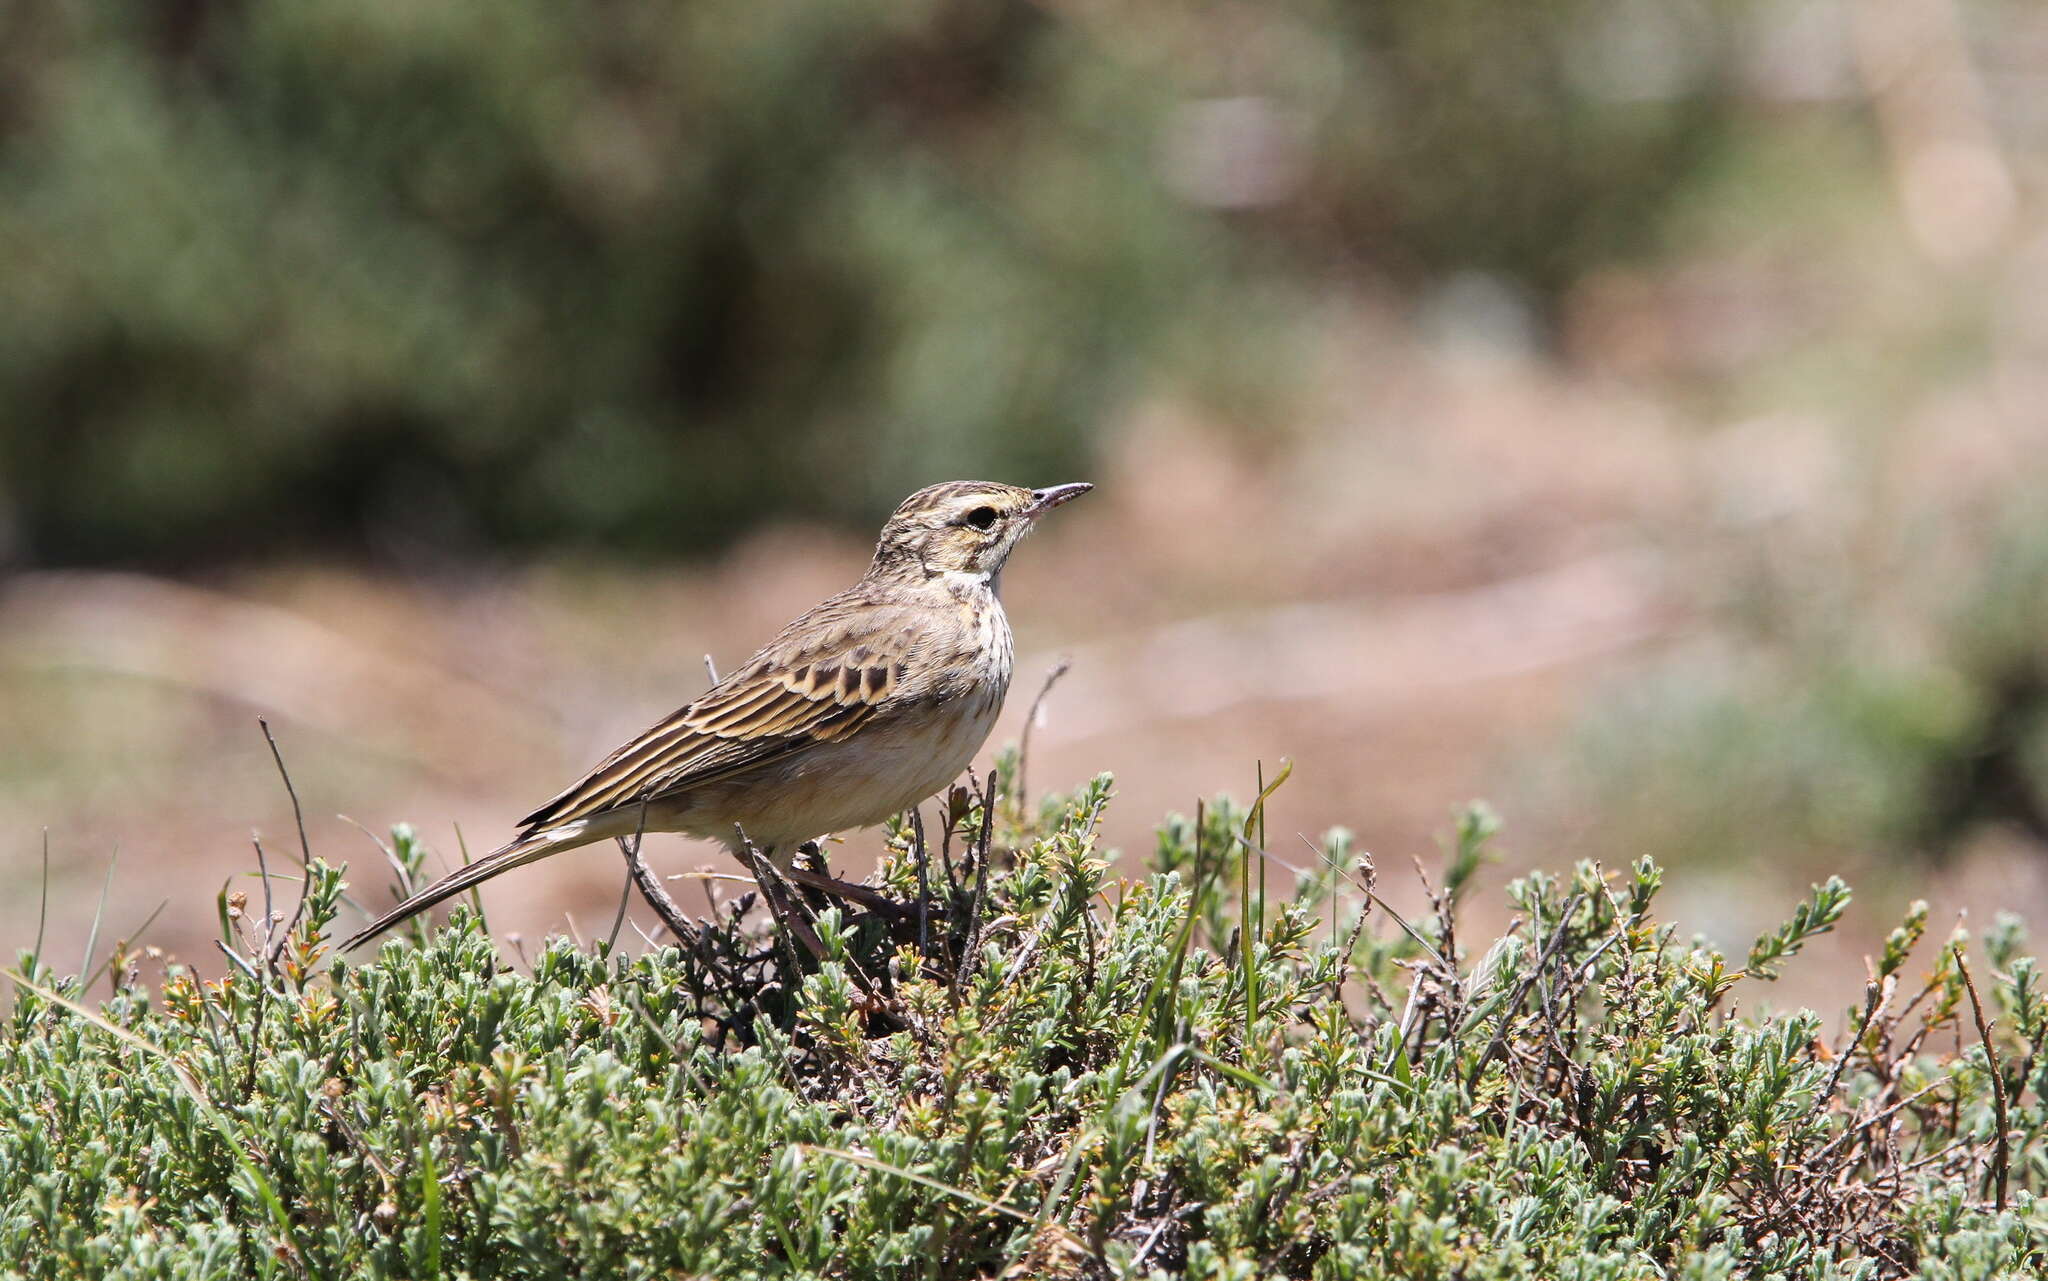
{"x":1044,"y":500}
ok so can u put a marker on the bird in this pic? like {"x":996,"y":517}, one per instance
{"x":867,"y":704}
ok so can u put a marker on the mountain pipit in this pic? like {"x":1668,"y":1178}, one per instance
{"x":866,"y":705}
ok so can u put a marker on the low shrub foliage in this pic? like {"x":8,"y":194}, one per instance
{"x":1038,"y":1068}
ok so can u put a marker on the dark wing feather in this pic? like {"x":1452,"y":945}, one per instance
{"x":827,"y":674}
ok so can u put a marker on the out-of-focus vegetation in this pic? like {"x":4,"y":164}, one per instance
{"x":1830,"y":731}
{"x":1627,"y":408}
{"x":439,"y":278}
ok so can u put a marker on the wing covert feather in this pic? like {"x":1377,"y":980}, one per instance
{"x":827,"y":674}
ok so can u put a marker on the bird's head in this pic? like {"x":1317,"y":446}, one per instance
{"x":963,"y":527}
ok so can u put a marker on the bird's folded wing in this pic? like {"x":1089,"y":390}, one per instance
{"x":813,"y":685}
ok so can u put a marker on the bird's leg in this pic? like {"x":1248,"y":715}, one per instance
{"x":867,"y":896}
{"x":810,"y":870}
{"x":809,"y":861}
{"x":783,"y":903}
{"x":794,"y":912}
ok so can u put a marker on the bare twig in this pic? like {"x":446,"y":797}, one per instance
{"x":298,"y":814}
{"x":924,"y":889}
{"x":269,"y":913}
{"x":1052,"y":678}
{"x":2001,"y":1158}
{"x":981,"y":860}
{"x":1047,"y":920}
{"x":1885,"y":1115}
{"x":274,"y":941}
{"x":1507,"y":1018}
{"x":652,"y":889}
{"x":946,"y":812}
{"x":1414,"y":934}
{"x":1152,"y":1239}
{"x":390,"y":858}
{"x":611,"y":942}
{"x":252,"y":1050}
{"x":1876,"y":996}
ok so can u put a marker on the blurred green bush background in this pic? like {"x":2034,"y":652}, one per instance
{"x":406,"y":279}
{"x":1628,"y":410}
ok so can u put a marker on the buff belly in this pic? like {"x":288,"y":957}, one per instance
{"x":837,"y":787}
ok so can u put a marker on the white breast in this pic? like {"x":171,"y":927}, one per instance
{"x":884,"y":768}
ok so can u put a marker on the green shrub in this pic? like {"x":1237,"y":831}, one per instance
{"x":1078,"y":1075}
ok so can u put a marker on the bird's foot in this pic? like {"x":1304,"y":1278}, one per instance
{"x":865,"y":895}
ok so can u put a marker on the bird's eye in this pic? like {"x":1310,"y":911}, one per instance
{"x":982,"y":517}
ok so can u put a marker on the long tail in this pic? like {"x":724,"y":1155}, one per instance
{"x":529,"y":848}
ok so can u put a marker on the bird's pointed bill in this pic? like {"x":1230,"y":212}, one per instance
{"x":1044,"y":500}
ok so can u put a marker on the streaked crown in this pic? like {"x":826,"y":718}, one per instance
{"x":963,"y":526}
